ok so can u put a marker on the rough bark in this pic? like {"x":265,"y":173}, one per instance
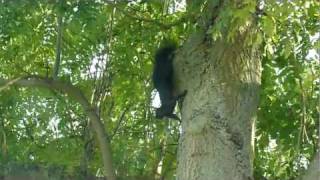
{"x":313,"y":172}
{"x":222,"y":79}
{"x":77,"y":95}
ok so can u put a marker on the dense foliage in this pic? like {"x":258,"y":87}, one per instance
{"x":107,"y":51}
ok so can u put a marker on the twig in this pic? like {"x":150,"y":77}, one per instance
{"x":58,"y":45}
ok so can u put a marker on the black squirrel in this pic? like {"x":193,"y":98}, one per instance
{"x":163,"y":80}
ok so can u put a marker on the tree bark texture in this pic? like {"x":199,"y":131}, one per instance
{"x":222,"y":80}
{"x":313,"y":171}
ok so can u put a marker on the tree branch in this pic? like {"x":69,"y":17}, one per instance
{"x":76,"y":94}
{"x":134,"y":15}
{"x":59,"y":42}
{"x":119,"y":122}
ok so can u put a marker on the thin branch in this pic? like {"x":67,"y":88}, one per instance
{"x":134,"y":15}
{"x":58,"y":45}
{"x":119,"y":122}
{"x":7,"y":84}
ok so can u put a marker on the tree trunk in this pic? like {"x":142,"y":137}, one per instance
{"x":222,"y":79}
{"x":313,"y":171}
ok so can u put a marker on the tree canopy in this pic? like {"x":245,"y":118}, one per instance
{"x":106,"y":51}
